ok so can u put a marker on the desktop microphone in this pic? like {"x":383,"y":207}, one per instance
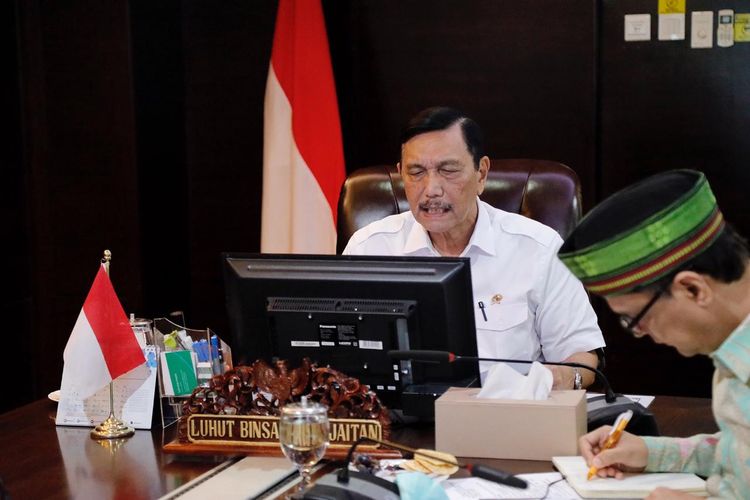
{"x":356,"y":485}
{"x":598,"y":413}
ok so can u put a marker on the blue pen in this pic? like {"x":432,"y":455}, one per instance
{"x":197,"y":349}
{"x":206,"y":350}
{"x":218,"y":359}
{"x":215,"y":346}
{"x":203,"y":346}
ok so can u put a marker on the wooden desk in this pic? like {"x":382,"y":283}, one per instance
{"x":39,"y":460}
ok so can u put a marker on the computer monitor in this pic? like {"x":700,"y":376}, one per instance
{"x":349,"y":311}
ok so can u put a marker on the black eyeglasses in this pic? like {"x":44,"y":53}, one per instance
{"x":631,"y":323}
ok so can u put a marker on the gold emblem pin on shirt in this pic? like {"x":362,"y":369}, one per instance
{"x":497,"y":298}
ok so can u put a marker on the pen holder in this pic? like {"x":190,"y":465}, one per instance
{"x":187,"y":358}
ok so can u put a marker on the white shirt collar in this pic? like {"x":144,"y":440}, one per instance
{"x":418,"y":240}
{"x":483,"y":236}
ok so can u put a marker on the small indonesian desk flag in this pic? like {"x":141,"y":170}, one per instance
{"x":102,"y":345}
{"x":303,"y":155}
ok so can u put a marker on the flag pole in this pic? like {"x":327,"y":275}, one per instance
{"x":111,"y":428}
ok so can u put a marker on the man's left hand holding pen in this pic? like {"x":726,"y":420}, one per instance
{"x":628,"y":455}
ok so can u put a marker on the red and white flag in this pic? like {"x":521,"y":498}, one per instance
{"x":303,"y":155}
{"x":102,"y":345}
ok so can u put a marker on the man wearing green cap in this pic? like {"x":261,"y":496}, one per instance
{"x":663,"y":258}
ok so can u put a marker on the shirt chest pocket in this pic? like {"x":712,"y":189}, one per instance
{"x":500,"y":317}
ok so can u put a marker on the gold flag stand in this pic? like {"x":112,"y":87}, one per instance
{"x":111,"y":428}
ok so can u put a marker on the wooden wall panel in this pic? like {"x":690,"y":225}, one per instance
{"x":665,"y":106}
{"x":390,"y":60}
{"x":79,"y":156}
{"x":525,"y":74}
{"x":15,"y":294}
{"x":140,"y":129}
{"x":159,"y":101}
{"x":227,"y":53}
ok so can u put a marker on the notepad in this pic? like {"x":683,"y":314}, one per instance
{"x":633,"y":485}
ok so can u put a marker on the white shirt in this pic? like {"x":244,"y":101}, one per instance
{"x":535,"y":308}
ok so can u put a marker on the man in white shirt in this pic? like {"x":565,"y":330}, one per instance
{"x":527,"y":304}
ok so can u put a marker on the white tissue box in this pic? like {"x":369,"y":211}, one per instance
{"x":509,"y":428}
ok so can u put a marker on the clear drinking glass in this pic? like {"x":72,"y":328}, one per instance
{"x":303,"y":435}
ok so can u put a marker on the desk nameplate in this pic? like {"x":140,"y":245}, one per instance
{"x":258,"y":435}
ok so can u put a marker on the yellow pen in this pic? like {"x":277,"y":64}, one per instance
{"x":613,"y":437}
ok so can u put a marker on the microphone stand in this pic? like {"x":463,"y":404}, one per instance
{"x":643,"y":423}
{"x":609,"y":394}
{"x":355,"y":485}
{"x":448,"y":357}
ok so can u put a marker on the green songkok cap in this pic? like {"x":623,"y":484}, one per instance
{"x":644,"y":232}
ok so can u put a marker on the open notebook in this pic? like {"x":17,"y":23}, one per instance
{"x":637,"y":485}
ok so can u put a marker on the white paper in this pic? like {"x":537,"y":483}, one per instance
{"x":133,"y":399}
{"x":547,"y":485}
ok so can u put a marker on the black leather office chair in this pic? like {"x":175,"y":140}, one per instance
{"x":543,"y":190}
